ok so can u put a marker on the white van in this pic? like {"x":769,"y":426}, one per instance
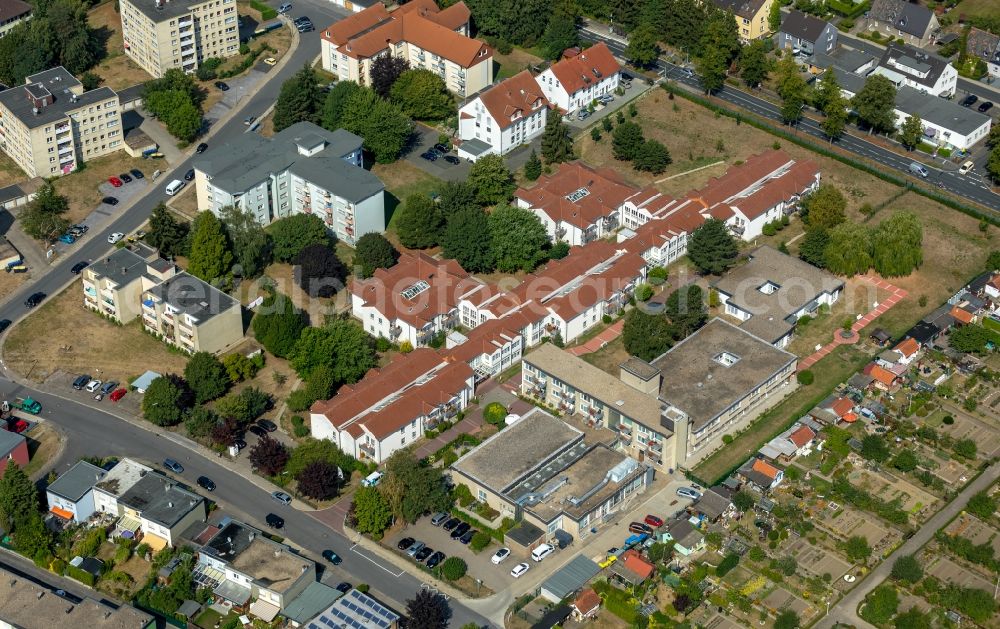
{"x":372,"y":480}
{"x":542,"y":552}
{"x":174,"y":186}
{"x":918,"y":169}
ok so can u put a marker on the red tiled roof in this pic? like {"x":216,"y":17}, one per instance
{"x":483,"y":339}
{"x":880,"y":374}
{"x":765,"y":468}
{"x":994,"y":281}
{"x":908,"y":347}
{"x":513,"y":99}
{"x":961,"y":315}
{"x":605,"y":193}
{"x":587,"y":601}
{"x":343,"y":30}
{"x":850,"y":418}
{"x":631,"y":559}
{"x":802,"y":436}
{"x":447,"y":283}
{"x":842,"y":406}
{"x":577,"y":72}
{"x":783,"y":188}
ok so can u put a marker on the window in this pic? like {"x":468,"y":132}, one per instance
{"x":482,"y":495}
{"x":726,"y":359}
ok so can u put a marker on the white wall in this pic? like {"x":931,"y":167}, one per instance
{"x":558,"y":96}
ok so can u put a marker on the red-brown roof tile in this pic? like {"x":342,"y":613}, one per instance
{"x":605,"y":193}
{"x":590,"y":66}
{"x":841,"y":406}
{"x":961,"y":315}
{"x":587,"y":601}
{"x":765,"y":468}
{"x":514,"y":98}
{"x":634,"y":562}
{"x":908,"y":347}
{"x":802,"y":436}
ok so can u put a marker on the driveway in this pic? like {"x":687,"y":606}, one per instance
{"x":239,"y":88}
{"x":425,"y":138}
{"x":104,"y":212}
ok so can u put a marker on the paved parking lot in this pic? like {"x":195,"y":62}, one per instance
{"x":103,"y":213}
{"x":426,"y":137}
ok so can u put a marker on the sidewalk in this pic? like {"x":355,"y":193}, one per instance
{"x":598,"y":342}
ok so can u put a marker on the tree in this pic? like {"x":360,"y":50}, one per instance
{"x":18,"y":496}
{"x":226,"y":432}
{"x":905,"y":461}
{"x":319,"y":271}
{"x":294,"y":233}
{"x":906,"y":568}
{"x":251,"y":244}
{"x":835,"y":122}
{"x":857,"y":548}
{"x":911,"y":132}
{"x":556,"y":143}
{"x":685,"y":307}
{"x":824,"y":208}
{"x":385,"y":71}
{"x":970,"y":339}
{"x":792,"y":89}
{"x":813,"y":247}
{"x":561,"y":31}
{"x":454,"y":196}
{"x":827,"y":89}
{"x":318,"y":480}
{"x":533,"y":167}
{"x":559,"y":250}
{"x":519,"y":22}
{"x":166,"y":234}
{"x":848,"y":251}
{"x":383,"y":125}
{"x":711,"y":66}
{"x":341,"y":345}
{"x":239,"y":367}
{"x":754,"y":64}
{"x":965,"y":448}
{"x":210,"y":258}
{"x":982,"y":505}
{"x":165,"y":400}
{"x":420,"y":223}
{"x":206,"y":377}
{"x":897,"y":245}
{"x":43,"y":218}
{"x":912,"y":618}
{"x":245,"y":406}
{"x":876,"y":104}
{"x":373,"y":251}
{"x":467,"y":239}
{"x":874,"y":448}
{"x":423,"y":95}
{"x":712,"y":248}
{"x":428,"y":610}
{"x":492,"y":180}
{"x":268,"y":456}
{"x":57,"y":34}
{"x":787,"y":619}
{"x":743,"y":500}
{"x":300,"y":100}
{"x":774,"y":19}
{"x":278,"y":325}
{"x":626,"y":140}
{"x":371,"y":512}
{"x":993,"y":163}
{"x":881,"y":604}
{"x":333,"y":105}
{"x":643,"y":47}
{"x":518,"y":238}
{"x":412,"y":487}
{"x":652,"y":157}
{"x":646,"y":335}
{"x":200,"y":421}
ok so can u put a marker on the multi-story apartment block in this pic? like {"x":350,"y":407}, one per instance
{"x":509,"y":114}
{"x":113,"y":286}
{"x":50,"y":125}
{"x":302,"y":169}
{"x":192,"y":315}
{"x":580,"y":77}
{"x":751,"y":16}
{"x":164,"y":34}
{"x":12,"y":13}
{"x":489,"y":348}
{"x":427,"y":37}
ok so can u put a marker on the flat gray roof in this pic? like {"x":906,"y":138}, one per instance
{"x":571,"y":577}
{"x":697,"y":383}
{"x":160,"y":499}
{"x":9,"y":441}
{"x":193,"y":297}
{"x":843,"y":58}
{"x":314,"y":599}
{"x":515,"y":451}
{"x":596,"y":383}
{"x":77,"y":481}
{"x":122,"y":476}
{"x":168,"y":9}
{"x":940,"y":111}
{"x":58,"y":82}
{"x":122,"y":267}
{"x":589,"y":481}
{"x":251,"y":159}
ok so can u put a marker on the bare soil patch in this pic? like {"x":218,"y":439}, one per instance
{"x":81,"y":187}
{"x":117,"y":69}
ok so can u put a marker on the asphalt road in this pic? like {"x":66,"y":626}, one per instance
{"x":845,"y":610}
{"x":969,"y":186}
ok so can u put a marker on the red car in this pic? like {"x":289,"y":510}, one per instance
{"x":654,"y":521}
{"x":115,"y":181}
{"x":19,"y":426}
{"x":117,"y":394}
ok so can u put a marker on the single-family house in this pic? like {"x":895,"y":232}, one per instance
{"x":157,"y":509}
{"x":761,"y":475}
{"x":715,"y":504}
{"x":578,"y":79}
{"x":986,"y":46}
{"x":923,"y":71}
{"x":751,"y":17}
{"x":356,"y":610}
{"x":631,"y":568}
{"x":511,"y":113}
{"x":883,"y":379}
{"x":912,"y":22}
{"x":586,"y":604}
{"x":687,"y":539}
{"x":992,"y":287}
{"x":71,"y":496}
{"x":803,"y":437}
{"x":907,"y":350}
{"x":806,"y":34}
{"x":833,"y":409}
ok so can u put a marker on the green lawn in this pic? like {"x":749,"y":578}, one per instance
{"x":402,"y":179}
{"x":977,"y":8}
{"x":829,"y":372}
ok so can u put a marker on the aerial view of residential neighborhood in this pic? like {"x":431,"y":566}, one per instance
{"x":499,"y":314}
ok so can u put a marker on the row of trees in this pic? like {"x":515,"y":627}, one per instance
{"x":57,"y":34}
{"x":649,"y":335}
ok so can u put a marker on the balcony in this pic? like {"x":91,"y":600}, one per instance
{"x":560,"y":231}
{"x":551,"y":327}
{"x":395,"y":331}
{"x":625,"y":431}
{"x":737,"y":229}
{"x":589,"y":234}
{"x":367,"y":450}
{"x":185,"y":23}
{"x":611,"y":222}
{"x":62,"y":128}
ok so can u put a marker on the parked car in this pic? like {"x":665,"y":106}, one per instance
{"x":257,"y":430}
{"x":442,"y":148}
{"x":201,"y":148}
{"x":966,"y":168}
{"x":301,"y":20}
{"x":688,"y":492}
{"x":189,"y":175}
{"x":332,"y":557}
{"x":108,"y":387}
{"x":110,"y":200}
{"x":653,"y":521}
{"x":405,"y":543}
{"x":81,"y":381}
{"x":415,"y":548}
{"x":34,"y":299}
{"x":305,"y":27}
{"x":500,"y":555}
{"x":239,"y":444}
{"x":115,"y":181}
{"x":285,"y":8}
{"x":93,"y":386}
{"x":439,"y":518}
{"x":19,"y":426}
{"x":460,"y":530}
{"x":467,"y":536}
{"x":115,"y":237}
{"x":267,"y":425}
{"x":583,"y":114}
{"x":543,"y":551}
{"x":270,"y":61}
{"x":344,"y":587}
{"x":206,"y":483}
{"x":69,"y":239}
{"x":519,"y":569}
{"x":274,"y":521}
{"x":173,"y":466}
{"x":985,"y":107}
{"x":125,"y":178}
{"x":223,"y":87}
{"x":451,"y":524}
{"x":969,"y":100}
{"x":249,"y":120}
{"x":451,"y":159}
{"x":282,"y":497}
{"x":4,"y":324}
{"x":118,"y":394}
{"x":424,"y":553}
{"x":640,"y":529}
{"x":135,"y":172}
{"x":430,"y":156}
{"x":79,"y":227}
{"x":435,"y":559}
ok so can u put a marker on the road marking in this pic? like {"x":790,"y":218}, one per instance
{"x":361,"y":554}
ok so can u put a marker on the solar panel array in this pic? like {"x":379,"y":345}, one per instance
{"x":361,"y":612}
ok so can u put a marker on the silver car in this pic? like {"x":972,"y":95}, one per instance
{"x":415,"y":548}
{"x":282,"y":497}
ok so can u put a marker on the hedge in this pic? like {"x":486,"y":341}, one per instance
{"x":497,"y":534}
{"x":848,"y":9}
{"x":80,"y":575}
{"x":266,"y":12}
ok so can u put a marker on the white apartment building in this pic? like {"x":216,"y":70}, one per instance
{"x":50,"y":125}
{"x":302,"y":169}
{"x":577,"y":80}
{"x":191,"y":314}
{"x":163,"y":34}
{"x":507,"y":115}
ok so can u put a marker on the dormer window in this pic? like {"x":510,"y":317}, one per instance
{"x":769,"y":288}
